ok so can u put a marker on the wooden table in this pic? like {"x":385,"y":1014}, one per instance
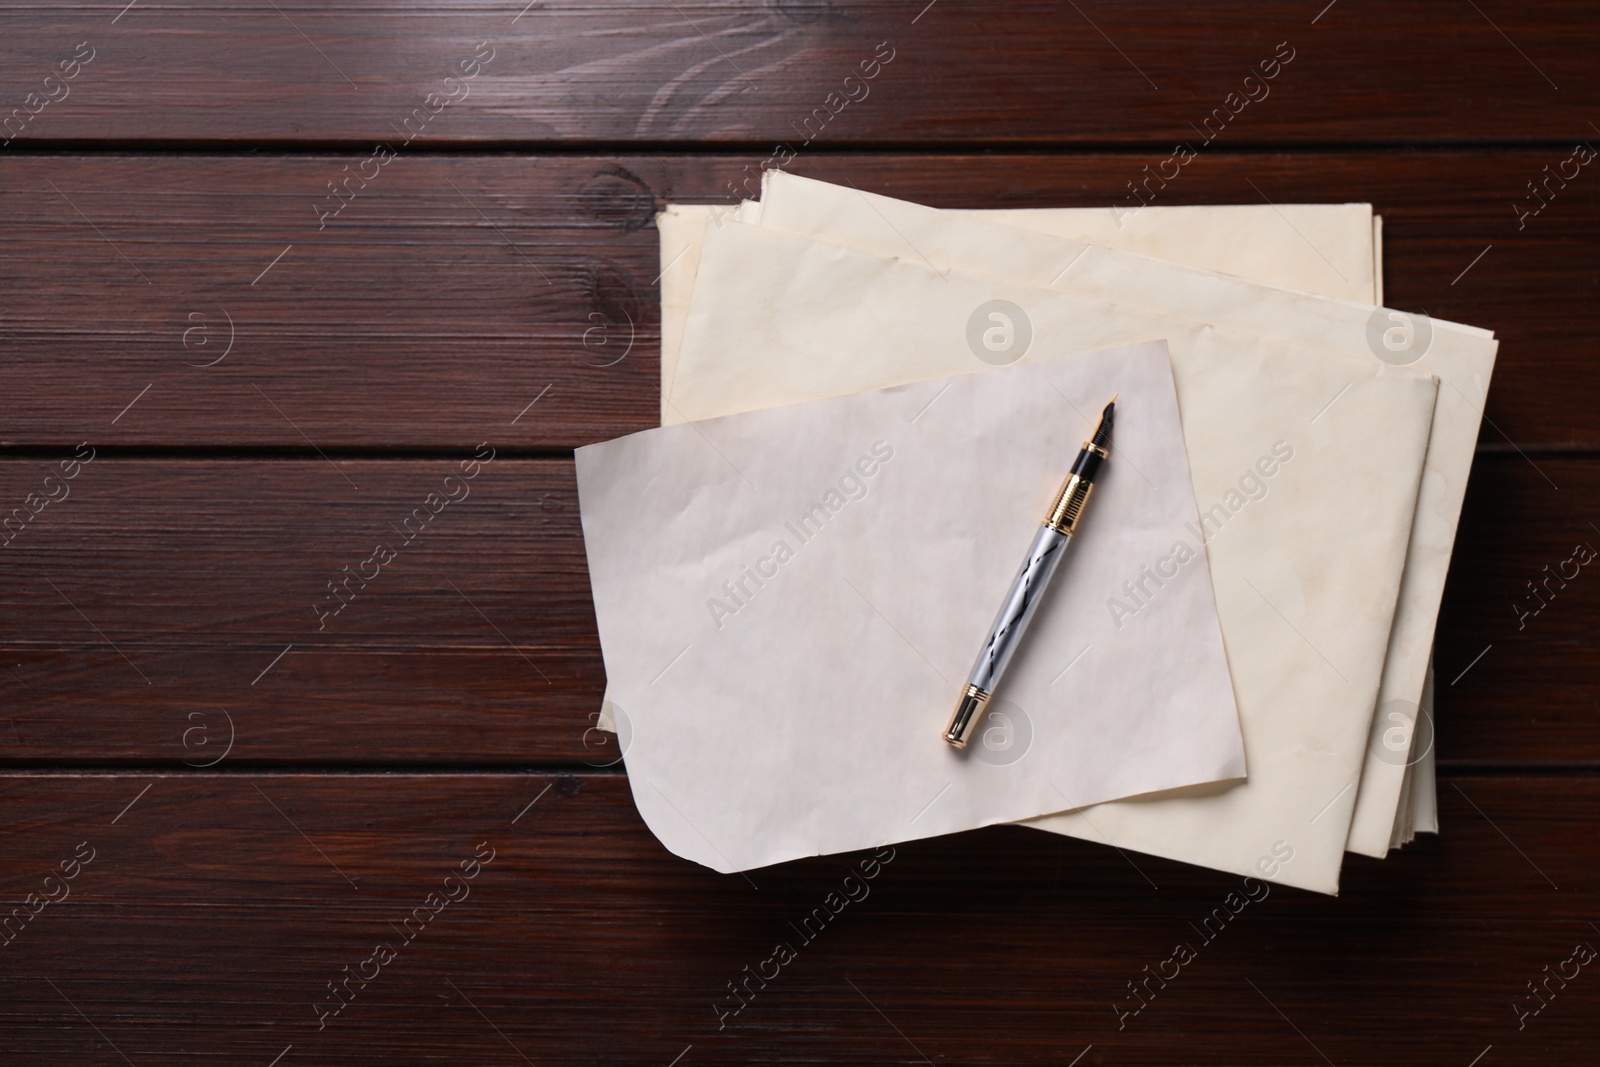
{"x":258,"y":342}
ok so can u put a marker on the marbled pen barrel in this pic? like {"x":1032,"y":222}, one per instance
{"x":1028,"y":588}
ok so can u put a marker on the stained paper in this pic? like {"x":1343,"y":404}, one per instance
{"x":776,"y":318}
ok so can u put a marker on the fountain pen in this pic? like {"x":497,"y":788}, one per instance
{"x":1031,"y":581}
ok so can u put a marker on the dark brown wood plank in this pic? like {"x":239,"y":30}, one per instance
{"x":221,"y":295}
{"x":717,"y":70}
{"x":216,"y":909}
{"x":152,"y":607}
{"x":1521,"y":597}
{"x":454,"y":291}
{"x":192,"y":577}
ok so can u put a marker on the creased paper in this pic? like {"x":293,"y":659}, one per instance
{"x":1327,"y":249}
{"x":788,"y":601}
{"x":775,"y":318}
{"x":1461,"y":356}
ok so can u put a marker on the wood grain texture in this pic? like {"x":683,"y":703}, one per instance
{"x":159,"y":596}
{"x":1531,"y":696}
{"x":452,"y":292}
{"x":148,"y":610}
{"x":1030,"y":72}
{"x":273,"y":385}
{"x":217,"y":908}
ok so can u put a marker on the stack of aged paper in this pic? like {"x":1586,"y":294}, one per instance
{"x":1328,"y":442}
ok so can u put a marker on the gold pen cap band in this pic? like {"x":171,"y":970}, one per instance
{"x":1068,"y":507}
{"x":968,"y":711}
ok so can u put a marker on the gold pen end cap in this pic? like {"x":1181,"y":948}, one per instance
{"x":968,"y":711}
